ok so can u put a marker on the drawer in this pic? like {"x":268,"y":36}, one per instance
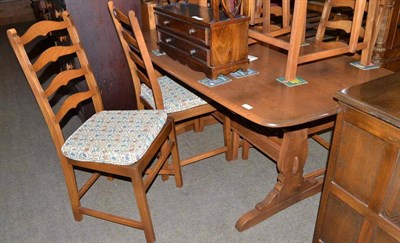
{"x":184,"y":46}
{"x":195,"y":33}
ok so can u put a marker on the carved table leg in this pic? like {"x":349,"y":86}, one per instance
{"x":292,"y":186}
{"x":384,"y":15}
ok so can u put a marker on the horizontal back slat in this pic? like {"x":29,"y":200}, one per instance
{"x":72,"y":102}
{"x":121,"y":17}
{"x":63,"y":78}
{"x":52,"y":54}
{"x":343,"y":3}
{"x":130,"y":39}
{"x":41,"y":29}
{"x":143,"y":78}
{"x":344,"y":25}
{"x":136,"y":59}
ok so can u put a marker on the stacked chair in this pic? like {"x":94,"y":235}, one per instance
{"x":354,"y":27}
{"x":362,"y":28}
{"x":133,"y":144}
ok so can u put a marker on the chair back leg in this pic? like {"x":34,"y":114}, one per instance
{"x":70,"y":180}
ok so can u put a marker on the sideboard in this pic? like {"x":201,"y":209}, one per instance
{"x":361,"y":195}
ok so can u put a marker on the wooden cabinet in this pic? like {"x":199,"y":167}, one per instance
{"x":190,"y":34}
{"x":361,"y":196}
{"x":101,"y":44}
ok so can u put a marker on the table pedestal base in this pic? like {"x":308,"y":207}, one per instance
{"x":274,"y":203}
{"x":291,"y":186}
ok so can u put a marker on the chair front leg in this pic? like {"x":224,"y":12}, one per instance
{"x":143,"y":207}
{"x":176,"y":163}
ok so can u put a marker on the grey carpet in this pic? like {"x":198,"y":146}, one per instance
{"x":35,"y":207}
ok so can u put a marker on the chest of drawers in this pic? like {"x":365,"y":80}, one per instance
{"x":188,"y":33}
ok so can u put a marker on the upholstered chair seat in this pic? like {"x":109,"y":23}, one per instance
{"x":115,"y":137}
{"x":175,"y":97}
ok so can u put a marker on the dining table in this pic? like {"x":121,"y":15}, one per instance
{"x":275,"y":118}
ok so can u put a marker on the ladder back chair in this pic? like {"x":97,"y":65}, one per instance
{"x":133,"y":144}
{"x":154,"y":91}
{"x":353,"y":26}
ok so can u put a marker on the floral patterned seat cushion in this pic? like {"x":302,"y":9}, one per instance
{"x":176,"y":97}
{"x":115,"y":137}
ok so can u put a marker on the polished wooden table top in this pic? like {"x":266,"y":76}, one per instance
{"x":274,"y":104}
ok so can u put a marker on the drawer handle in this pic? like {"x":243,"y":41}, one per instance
{"x":166,"y":22}
{"x":192,"y":52}
{"x":192,"y":31}
{"x":168,"y":40}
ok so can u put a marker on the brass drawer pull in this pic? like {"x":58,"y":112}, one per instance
{"x":168,"y":40}
{"x":192,"y":52}
{"x":166,"y":22}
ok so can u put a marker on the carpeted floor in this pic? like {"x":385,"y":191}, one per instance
{"x":34,"y":205}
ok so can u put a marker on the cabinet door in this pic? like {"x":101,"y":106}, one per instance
{"x":361,"y":196}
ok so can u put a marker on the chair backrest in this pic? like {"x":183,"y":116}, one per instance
{"x":32,"y":68}
{"x":350,"y":25}
{"x":137,"y":55}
